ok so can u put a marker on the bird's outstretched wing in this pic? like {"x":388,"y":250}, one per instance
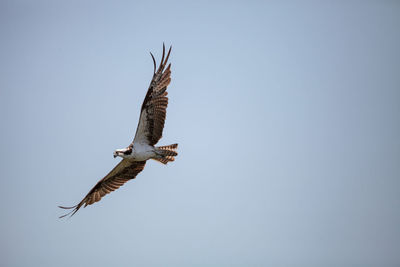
{"x":154,"y":107}
{"x":123,"y":172}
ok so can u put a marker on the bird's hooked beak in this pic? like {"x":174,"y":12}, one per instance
{"x":115,"y":154}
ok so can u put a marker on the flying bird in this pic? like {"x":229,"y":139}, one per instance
{"x":148,"y":133}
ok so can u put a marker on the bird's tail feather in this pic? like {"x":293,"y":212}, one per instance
{"x":166,"y":153}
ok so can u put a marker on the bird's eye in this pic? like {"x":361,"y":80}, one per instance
{"x":127,"y":152}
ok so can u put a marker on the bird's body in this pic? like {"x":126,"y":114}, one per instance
{"x":142,"y":148}
{"x":137,"y":152}
{"x":142,"y":152}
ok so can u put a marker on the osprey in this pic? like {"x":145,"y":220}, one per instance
{"x":142,"y":148}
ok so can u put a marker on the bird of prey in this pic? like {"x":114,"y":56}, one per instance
{"x":142,"y":148}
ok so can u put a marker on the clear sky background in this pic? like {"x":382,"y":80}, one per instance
{"x":286,"y":115}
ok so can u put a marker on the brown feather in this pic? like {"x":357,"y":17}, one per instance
{"x":123,"y":172}
{"x":153,"y":111}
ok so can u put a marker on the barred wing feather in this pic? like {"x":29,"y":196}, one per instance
{"x":154,"y":107}
{"x":126,"y":170}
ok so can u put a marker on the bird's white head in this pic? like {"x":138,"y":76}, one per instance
{"x":123,"y":152}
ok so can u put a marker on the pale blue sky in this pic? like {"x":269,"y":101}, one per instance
{"x":286,"y":115}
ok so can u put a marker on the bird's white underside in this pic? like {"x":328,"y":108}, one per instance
{"x":142,"y":152}
{"x":142,"y":129}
